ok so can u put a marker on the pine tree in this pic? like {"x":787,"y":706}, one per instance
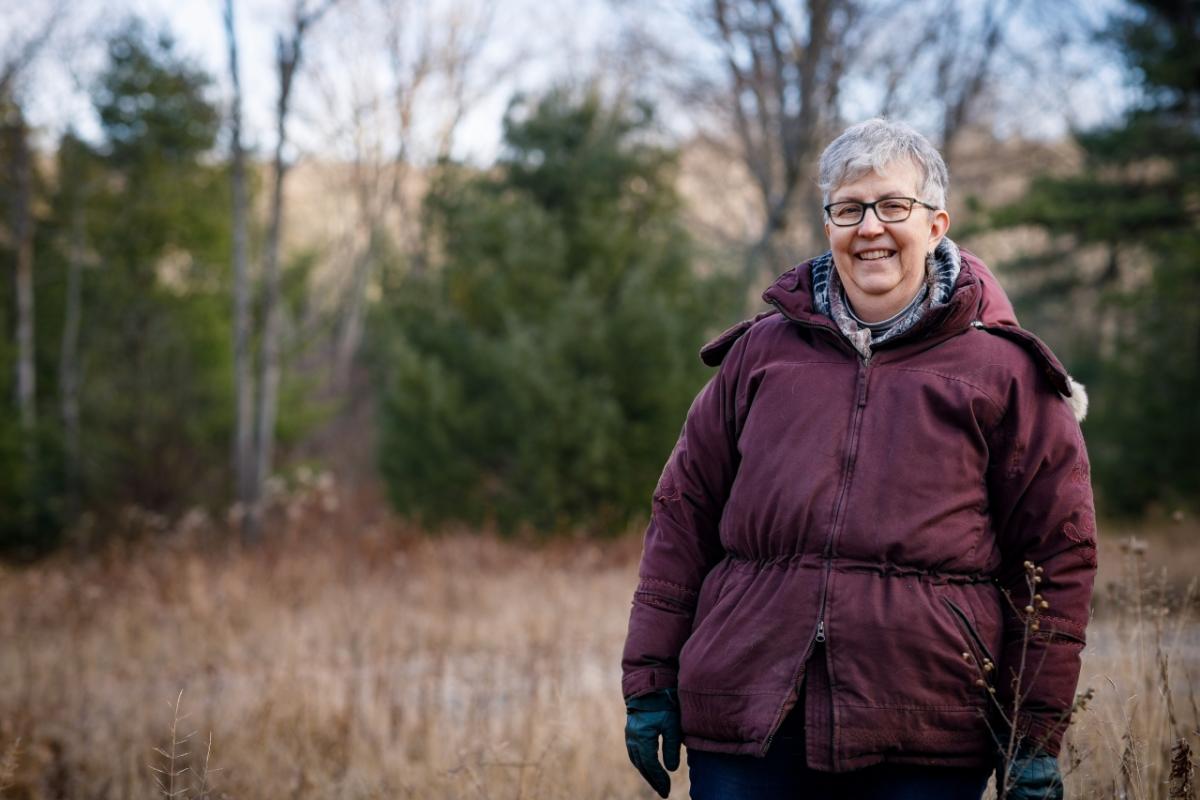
{"x":538,"y":372}
{"x":1123,"y":273}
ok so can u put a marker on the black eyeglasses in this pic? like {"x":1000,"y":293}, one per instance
{"x":887,"y":209}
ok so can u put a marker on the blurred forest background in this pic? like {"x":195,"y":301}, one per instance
{"x":199,"y":311}
{"x":344,"y":340}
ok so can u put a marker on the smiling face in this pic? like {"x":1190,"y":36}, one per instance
{"x":882,"y":264}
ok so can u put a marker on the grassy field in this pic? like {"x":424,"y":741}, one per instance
{"x":384,"y":664}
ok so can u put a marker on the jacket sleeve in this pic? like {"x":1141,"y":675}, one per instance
{"x":1043,"y":512}
{"x":682,"y":543}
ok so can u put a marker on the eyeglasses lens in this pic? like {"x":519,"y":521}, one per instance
{"x":888,"y":210}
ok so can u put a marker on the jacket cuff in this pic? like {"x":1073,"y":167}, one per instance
{"x":661,"y":700}
{"x":1037,"y":734}
{"x":637,"y":683}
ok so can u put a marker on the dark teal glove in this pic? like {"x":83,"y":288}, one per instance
{"x":650,"y":716}
{"x":1032,"y":776}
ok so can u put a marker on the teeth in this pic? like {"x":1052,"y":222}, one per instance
{"x":873,"y":255}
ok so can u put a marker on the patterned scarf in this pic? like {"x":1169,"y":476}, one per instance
{"x":941,"y":272}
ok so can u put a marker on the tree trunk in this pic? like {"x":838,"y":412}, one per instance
{"x":288,"y":53}
{"x":68,"y":362}
{"x":21,"y":223}
{"x":243,"y":363}
{"x":350,"y":336}
{"x":269,"y":366}
{"x":781,"y":87}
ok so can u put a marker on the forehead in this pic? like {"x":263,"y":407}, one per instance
{"x":900,"y":177}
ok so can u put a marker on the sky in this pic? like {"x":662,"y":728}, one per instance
{"x":531,"y":44}
{"x":555,"y":40}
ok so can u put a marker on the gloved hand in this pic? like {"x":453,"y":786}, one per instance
{"x":1031,"y":775}
{"x":650,"y":716}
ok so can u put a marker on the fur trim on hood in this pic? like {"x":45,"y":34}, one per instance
{"x":1078,"y":399}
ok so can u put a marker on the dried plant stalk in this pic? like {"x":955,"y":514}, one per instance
{"x":1183,"y":772}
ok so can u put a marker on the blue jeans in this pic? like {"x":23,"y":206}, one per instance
{"x":782,"y":775}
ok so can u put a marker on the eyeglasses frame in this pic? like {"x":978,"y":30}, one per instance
{"x":871,"y":207}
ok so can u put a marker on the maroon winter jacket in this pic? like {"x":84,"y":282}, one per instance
{"x":883,"y":507}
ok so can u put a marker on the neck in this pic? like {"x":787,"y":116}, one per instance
{"x":871,"y":309}
{"x":878,"y":326}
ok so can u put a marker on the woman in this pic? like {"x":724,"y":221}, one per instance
{"x":871,"y":554}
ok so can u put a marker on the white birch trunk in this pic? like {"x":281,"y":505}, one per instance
{"x":243,"y":456}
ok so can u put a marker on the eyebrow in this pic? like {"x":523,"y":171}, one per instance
{"x":884,"y":196}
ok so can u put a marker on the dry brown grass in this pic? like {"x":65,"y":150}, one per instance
{"x":384,"y":664}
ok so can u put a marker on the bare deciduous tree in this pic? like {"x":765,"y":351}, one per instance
{"x":20,"y":223}
{"x":782,"y":78}
{"x":243,"y":362}
{"x":943,"y":57}
{"x":782,"y":71}
{"x":429,"y":55}
{"x":289,"y":50}
{"x":20,"y":55}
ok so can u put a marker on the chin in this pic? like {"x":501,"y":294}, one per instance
{"x":878,"y":285}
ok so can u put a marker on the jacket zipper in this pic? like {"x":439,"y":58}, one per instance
{"x":864,"y":373}
{"x":820,"y":636}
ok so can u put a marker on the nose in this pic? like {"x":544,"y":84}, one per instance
{"x":870,"y":225}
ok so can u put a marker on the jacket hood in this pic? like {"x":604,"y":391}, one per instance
{"x":794,"y":293}
{"x":978,"y":300}
{"x":942,"y":268}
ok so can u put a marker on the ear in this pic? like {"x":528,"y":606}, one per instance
{"x":939,"y":226}
{"x":827,"y":236}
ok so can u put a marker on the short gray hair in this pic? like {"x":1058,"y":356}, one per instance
{"x":872,"y":146}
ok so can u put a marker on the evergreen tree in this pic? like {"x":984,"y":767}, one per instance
{"x":1123,"y":273}
{"x":538,"y":371}
{"x":141,"y":221}
{"x":156,"y":354}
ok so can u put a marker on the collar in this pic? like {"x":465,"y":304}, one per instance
{"x":946,"y":264}
{"x":883,"y":324}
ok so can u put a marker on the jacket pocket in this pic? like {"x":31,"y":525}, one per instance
{"x":970,"y":632}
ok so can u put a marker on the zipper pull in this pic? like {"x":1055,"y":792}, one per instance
{"x":821,"y":630}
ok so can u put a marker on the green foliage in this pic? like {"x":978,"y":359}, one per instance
{"x":148,"y":215}
{"x":538,"y":371}
{"x":156,"y":352}
{"x":1134,"y":322}
{"x":30,"y":514}
{"x":301,"y":408}
{"x":151,"y":103}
